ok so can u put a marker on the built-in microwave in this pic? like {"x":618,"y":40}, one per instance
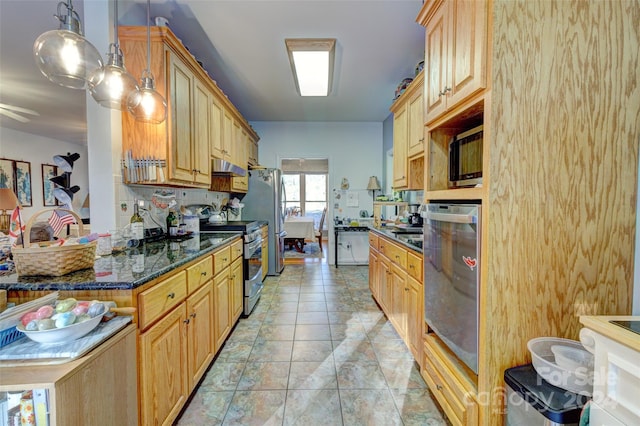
{"x":465,"y":158}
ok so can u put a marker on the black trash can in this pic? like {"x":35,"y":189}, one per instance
{"x":531,"y":400}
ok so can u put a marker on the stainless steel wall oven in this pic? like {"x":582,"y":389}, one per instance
{"x":451,"y":249}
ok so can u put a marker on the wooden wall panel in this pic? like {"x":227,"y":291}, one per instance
{"x":565,"y":125}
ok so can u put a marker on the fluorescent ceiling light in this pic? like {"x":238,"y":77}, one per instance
{"x":312,"y":64}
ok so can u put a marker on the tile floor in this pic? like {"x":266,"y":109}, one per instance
{"x":317,"y":350}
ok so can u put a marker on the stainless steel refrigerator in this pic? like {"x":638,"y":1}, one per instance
{"x":266,"y":200}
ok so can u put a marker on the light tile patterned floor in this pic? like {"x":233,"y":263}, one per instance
{"x":316,"y":350}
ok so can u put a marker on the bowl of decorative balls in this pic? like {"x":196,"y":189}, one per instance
{"x":68,"y":320}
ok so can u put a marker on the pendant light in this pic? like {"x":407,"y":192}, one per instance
{"x":111,"y":85}
{"x":64,"y":56}
{"x":146,"y":104}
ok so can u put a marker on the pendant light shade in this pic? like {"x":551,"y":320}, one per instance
{"x":64,"y":56}
{"x":111,"y":85}
{"x":147,"y":104}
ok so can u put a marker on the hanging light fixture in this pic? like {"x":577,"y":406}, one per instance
{"x":64,"y":56}
{"x":111,"y":85}
{"x":146,"y":104}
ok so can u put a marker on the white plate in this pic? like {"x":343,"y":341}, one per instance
{"x":65,"y":334}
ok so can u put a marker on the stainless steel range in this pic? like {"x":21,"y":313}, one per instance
{"x":252,"y":264}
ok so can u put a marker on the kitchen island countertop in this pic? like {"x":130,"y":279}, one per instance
{"x":116,"y":272}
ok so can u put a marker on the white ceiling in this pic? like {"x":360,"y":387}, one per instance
{"x":241,"y":44}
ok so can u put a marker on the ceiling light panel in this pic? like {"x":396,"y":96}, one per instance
{"x":312,"y":62}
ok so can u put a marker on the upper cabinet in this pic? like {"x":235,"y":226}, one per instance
{"x":201,"y":122}
{"x":455,"y":53}
{"x":408,"y":136}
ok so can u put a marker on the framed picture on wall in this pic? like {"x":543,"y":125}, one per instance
{"x":23,"y":183}
{"x":48,"y":171}
{"x":6,"y":174}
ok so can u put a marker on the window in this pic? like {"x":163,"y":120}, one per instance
{"x":305,"y":184}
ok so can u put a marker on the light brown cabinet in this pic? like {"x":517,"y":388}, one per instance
{"x":200,"y":343}
{"x":189,"y":156}
{"x":504,"y":96}
{"x":455,"y":52}
{"x":408,"y":136}
{"x":163,"y":364}
{"x":237,"y":289}
{"x":99,"y":387}
{"x":395,"y":280}
{"x":222,"y":296}
{"x":201,"y":122}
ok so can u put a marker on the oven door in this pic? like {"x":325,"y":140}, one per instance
{"x":451,"y":250}
{"x":252,"y":273}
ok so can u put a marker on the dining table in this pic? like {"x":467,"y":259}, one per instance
{"x":299,"y":229}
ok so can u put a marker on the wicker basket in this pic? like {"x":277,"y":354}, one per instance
{"x":46,"y":259}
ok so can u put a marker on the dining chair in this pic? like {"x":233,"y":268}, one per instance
{"x":320,"y":226}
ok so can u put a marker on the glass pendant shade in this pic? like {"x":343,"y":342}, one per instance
{"x":147,"y":104}
{"x":111,"y":85}
{"x":64,"y":56}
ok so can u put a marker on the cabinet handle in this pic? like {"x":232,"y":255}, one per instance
{"x":410,"y":266}
{"x":193,"y":315}
{"x":438,"y":387}
{"x":446,"y":89}
{"x":186,"y":321}
{"x":171,"y":295}
{"x":203,"y":273}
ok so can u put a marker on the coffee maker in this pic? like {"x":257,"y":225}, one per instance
{"x":415,"y":219}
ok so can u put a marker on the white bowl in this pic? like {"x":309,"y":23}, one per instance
{"x":574,"y":359}
{"x":65,"y":334}
{"x":546,"y":366}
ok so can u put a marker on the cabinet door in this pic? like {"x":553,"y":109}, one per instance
{"x":384,"y":289}
{"x":201,"y":115}
{"x":415,"y":315}
{"x":182,"y":80}
{"x":222,"y":309}
{"x":163,"y":361}
{"x":216,"y":132}
{"x":398,"y":300}
{"x":374,"y":281}
{"x":435,"y":63}
{"x":227,"y":134}
{"x":200,"y":336}
{"x":237,"y":289}
{"x":400,"y":122}
{"x":416,"y":124}
{"x":466,"y":49}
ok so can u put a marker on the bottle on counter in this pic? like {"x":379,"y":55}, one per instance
{"x":172,"y":224}
{"x":137,"y":227}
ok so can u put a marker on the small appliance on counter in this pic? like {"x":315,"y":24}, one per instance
{"x":415,"y":218}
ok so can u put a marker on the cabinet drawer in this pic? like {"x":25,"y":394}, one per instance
{"x":396,"y":254}
{"x":452,"y":392}
{"x":199,"y":273}
{"x":161,"y":298}
{"x":373,"y":240}
{"x":221,"y":259}
{"x":237,"y":249}
{"x":414,"y":266}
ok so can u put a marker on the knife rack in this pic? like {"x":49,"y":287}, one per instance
{"x":143,"y":169}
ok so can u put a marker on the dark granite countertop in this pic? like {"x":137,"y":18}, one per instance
{"x":116,"y":272}
{"x":404,"y":236}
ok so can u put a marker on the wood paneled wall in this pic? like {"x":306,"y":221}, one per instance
{"x":565,"y":131}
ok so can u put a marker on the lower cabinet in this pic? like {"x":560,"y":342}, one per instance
{"x":236,"y":282}
{"x":182,"y":330}
{"x":163,"y":361}
{"x":199,"y":333}
{"x":454,"y":392}
{"x":395,"y":280}
{"x":221,"y":298}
